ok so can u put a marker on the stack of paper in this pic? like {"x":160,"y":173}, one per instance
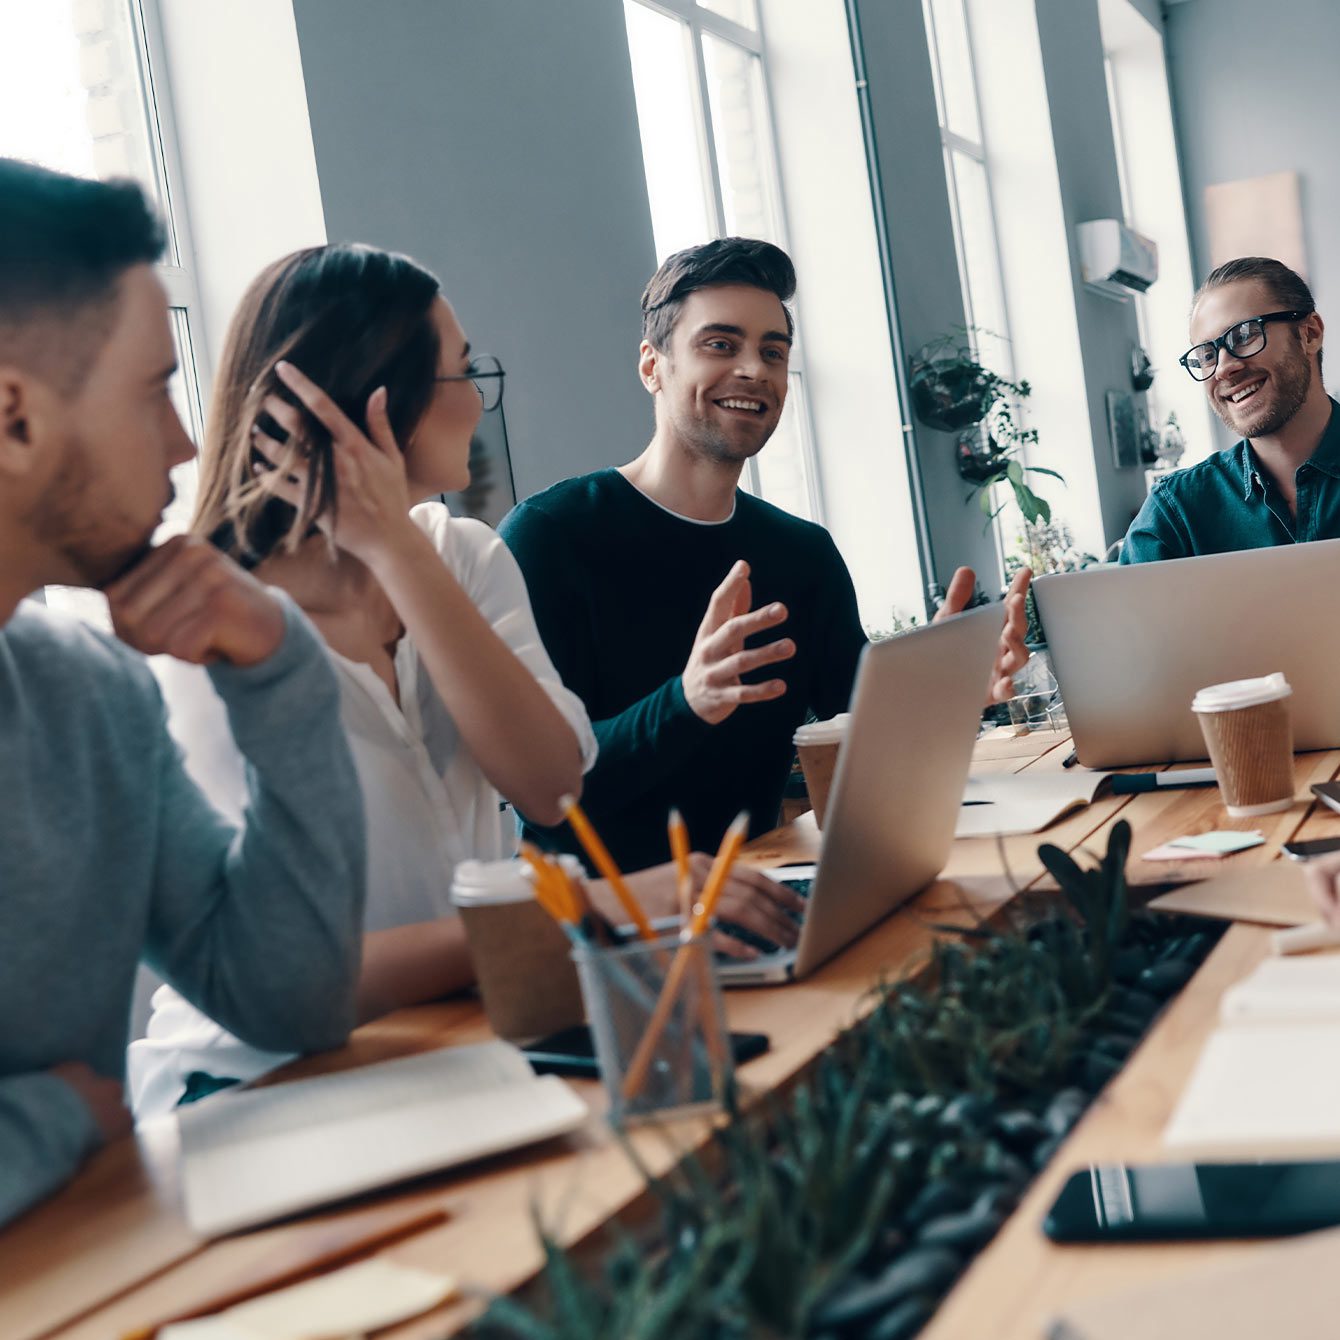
{"x":259,"y":1154}
{"x":1268,"y":1081}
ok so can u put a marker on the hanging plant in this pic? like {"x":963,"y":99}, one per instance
{"x":955,"y":393}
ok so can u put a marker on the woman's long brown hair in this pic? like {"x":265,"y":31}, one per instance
{"x":352,"y":318}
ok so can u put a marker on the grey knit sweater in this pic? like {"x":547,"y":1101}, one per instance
{"x":109,"y":854}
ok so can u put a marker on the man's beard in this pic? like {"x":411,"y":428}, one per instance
{"x":1290,"y":384}
{"x":70,"y":522}
{"x":708,"y":441}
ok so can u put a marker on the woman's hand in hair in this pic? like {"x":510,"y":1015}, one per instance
{"x":372,"y":502}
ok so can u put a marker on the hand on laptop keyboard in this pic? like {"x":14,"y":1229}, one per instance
{"x":751,"y":901}
{"x":760,"y":943}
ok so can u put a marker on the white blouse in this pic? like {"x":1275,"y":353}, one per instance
{"x":428,"y":805}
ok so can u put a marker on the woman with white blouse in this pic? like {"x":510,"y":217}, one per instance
{"x":345,"y":397}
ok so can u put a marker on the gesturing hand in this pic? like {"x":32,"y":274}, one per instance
{"x":187,"y":599}
{"x":104,"y":1098}
{"x":372,"y":499}
{"x":1012,"y":654}
{"x":718,"y":659}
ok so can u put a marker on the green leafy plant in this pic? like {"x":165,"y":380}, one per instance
{"x":953,"y":391}
{"x":802,"y":1211}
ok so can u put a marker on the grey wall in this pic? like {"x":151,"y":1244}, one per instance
{"x":1281,"y":61}
{"x":921,"y":245}
{"x":498,"y":144}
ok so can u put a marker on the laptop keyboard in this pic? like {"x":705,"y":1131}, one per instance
{"x":752,"y":938}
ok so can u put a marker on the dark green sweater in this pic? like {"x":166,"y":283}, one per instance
{"x":619,"y":587}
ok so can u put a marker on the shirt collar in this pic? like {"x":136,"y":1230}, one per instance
{"x":1326,"y":457}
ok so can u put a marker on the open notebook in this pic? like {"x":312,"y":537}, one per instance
{"x":256,"y":1155}
{"x":1267,"y":1083}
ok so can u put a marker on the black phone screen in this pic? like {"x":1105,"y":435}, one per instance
{"x":1119,"y":1203}
{"x":1306,"y":850}
{"x":572,"y":1052}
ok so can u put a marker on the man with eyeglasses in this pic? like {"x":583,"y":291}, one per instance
{"x":1256,"y":349}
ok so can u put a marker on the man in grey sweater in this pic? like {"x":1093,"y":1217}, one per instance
{"x":108,"y":853}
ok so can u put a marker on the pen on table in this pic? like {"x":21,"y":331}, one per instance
{"x":321,"y":1264}
{"x":1131,"y":783}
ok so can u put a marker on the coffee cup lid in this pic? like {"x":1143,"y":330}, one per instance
{"x":490,"y":883}
{"x":1241,"y":693}
{"x":832,"y":731}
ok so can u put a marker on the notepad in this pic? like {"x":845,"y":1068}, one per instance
{"x":1001,"y":804}
{"x":253,"y":1156}
{"x":1268,"y":1080}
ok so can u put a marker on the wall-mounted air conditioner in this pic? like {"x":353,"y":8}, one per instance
{"x":1116,"y":260}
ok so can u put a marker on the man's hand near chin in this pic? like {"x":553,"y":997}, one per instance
{"x":187,"y":599}
{"x":1011,"y":654}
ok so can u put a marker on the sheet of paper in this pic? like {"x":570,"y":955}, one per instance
{"x":1289,"y":1289}
{"x":344,"y":1303}
{"x":1221,"y":841}
{"x":1167,"y":852}
{"x":1289,"y":990}
{"x":1262,"y":1091}
{"x":1272,"y":895}
{"x":1001,"y":804}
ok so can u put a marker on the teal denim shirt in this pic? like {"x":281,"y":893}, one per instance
{"x":1228,"y":502}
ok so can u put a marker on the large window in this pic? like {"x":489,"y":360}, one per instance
{"x":78,"y":94}
{"x":1151,"y":198}
{"x":969,"y":182}
{"x":707,"y":145}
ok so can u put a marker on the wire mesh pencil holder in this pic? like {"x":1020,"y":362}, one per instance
{"x":654,"y":1007}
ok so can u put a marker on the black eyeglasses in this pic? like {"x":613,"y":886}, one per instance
{"x":1242,"y":341}
{"x":487,"y":374}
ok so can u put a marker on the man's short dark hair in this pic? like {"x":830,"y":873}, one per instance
{"x":726,"y":260}
{"x":64,"y":244}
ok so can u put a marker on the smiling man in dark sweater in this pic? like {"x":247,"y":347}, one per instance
{"x":652,"y":583}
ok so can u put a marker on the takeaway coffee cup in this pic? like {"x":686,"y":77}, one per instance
{"x":818,"y":745}
{"x":522,"y":958}
{"x":1250,"y":738}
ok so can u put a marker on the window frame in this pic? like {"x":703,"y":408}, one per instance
{"x":698,"y":22}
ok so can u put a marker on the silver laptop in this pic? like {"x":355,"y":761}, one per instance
{"x":895,"y":799}
{"x":1131,"y":645}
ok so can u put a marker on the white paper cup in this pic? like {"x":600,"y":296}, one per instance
{"x":819,"y":743}
{"x":521,"y":956}
{"x":1249,"y":734}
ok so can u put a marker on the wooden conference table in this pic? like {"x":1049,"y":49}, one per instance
{"x":112,"y":1252}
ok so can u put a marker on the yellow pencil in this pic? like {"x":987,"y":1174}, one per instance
{"x":721,"y":868}
{"x":674,"y":979}
{"x":679,"y":848}
{"x":604,"y":862}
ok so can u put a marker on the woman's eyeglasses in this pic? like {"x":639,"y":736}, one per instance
{"x":1242,"y":341}
{"x":487,"y":374}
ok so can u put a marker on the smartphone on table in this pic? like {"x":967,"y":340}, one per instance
{"x":572,"y":1052}
{"x":1168,"y":1202}
{"x":1305,"y":851}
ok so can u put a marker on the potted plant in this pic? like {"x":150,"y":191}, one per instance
{"x":954,"y":392}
